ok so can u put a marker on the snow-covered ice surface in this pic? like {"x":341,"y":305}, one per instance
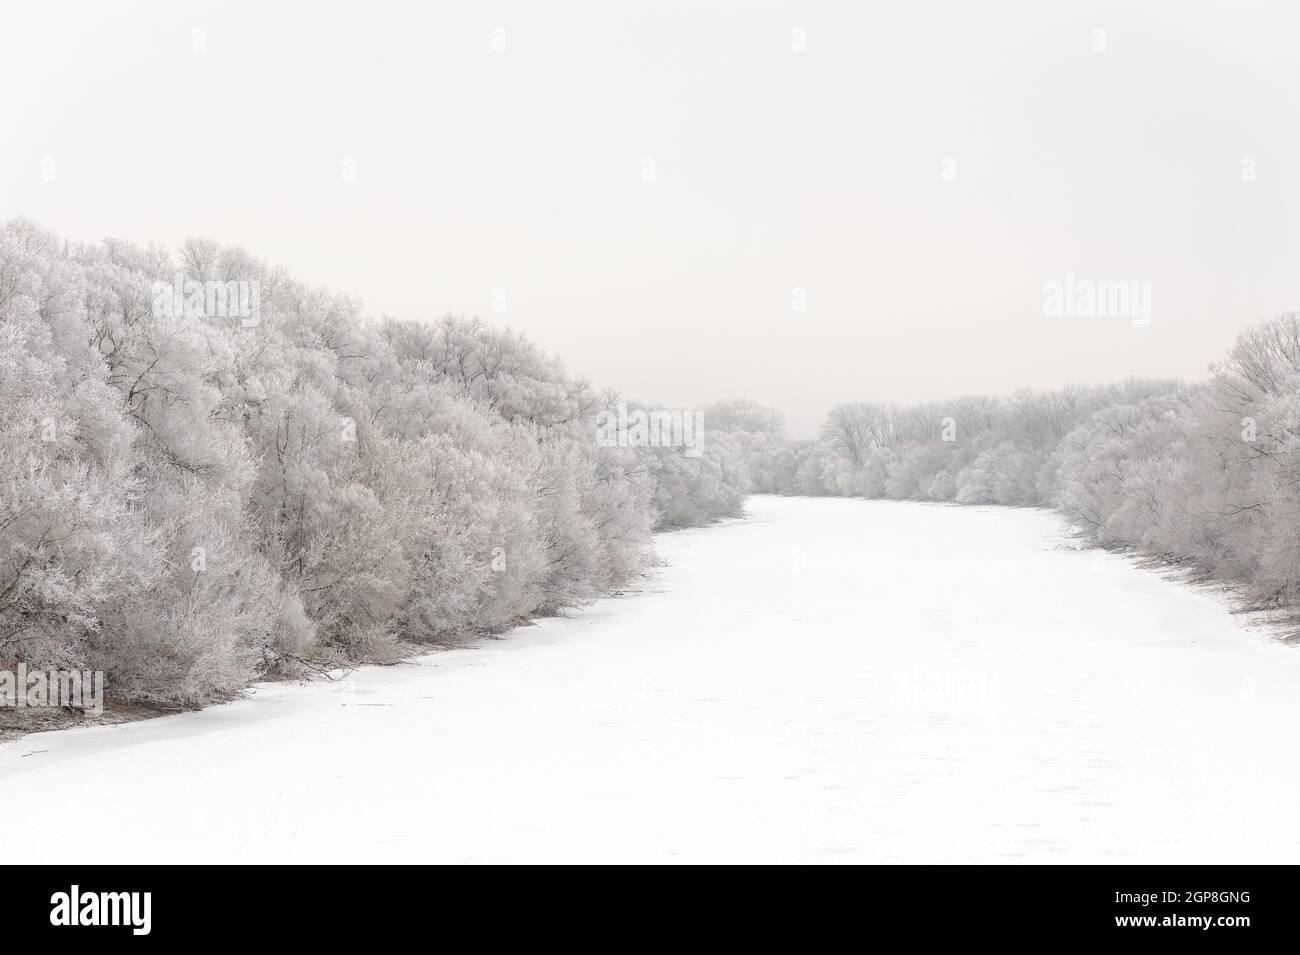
{"x":829,"y":680}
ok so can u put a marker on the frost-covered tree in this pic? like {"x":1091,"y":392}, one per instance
{"x":743,"y":415}
{"x":193,"y":497}
{"x":71,"y":539}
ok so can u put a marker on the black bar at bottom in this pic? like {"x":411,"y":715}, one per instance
{"x":214,"y":905}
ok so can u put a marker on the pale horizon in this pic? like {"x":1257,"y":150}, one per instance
{"x":919,"y":172}
{"x":521,"y":169}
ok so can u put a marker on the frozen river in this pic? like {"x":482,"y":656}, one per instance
{"x":826,"y":681}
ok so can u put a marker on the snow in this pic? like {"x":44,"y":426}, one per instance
{"x":828,"y":680}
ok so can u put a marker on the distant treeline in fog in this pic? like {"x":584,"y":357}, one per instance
{"x":1206,"y":475}
{"x":194,"y":501}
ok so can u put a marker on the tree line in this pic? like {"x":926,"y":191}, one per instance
{"x":1203,"y":475}
{"x":193,"y":501}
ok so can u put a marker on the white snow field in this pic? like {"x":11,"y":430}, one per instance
{"x":828,"y":680}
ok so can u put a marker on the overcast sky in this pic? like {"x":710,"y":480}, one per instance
{"x":918,"y":170}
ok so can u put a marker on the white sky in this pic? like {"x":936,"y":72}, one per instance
{"x":522,"y":169}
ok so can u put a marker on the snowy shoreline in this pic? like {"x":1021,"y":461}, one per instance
{"x":828,"y":680}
